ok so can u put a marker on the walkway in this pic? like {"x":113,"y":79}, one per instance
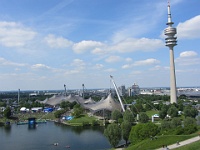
{"x":182,"y":143}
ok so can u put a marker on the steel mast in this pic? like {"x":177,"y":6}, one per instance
{"x":111,"y":77}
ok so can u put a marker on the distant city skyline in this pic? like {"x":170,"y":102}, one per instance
{"x":46,"y":44}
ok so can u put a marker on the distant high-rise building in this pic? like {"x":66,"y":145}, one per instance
{"x":171,"y":42}
{"x":134,"y":90}
{"x":122,"y":90}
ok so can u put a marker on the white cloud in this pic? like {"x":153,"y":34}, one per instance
{"x":98,"y":51}
{"x":74,"y":71}
{"x":84,"y":46}
{"x":189,"y":29}
{"x":14,"y":34}
{"x":5,"y":62}
{"x":142,"y":44}
{"x":128,"y":60}
{"x":127,"y":66}
{"x":157,"y":67}
{"x":188,"y":54}
{"x":57,"y":42}
{"x":150,"y":61}
{"x":78,"y":66}
{"x":40,"y":67}
{"x":136,"y":72}
{"x":110,"y":70}
{"x":188,"y":58}
{"x":98,"y":66}
{"x":78,"y":62}
{"x":113,"y":59}
{"x":184,"y":61}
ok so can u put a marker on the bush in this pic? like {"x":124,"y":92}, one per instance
{"x":190,"y":129}
{"x":95,"y":122}
{"x":58,"y":113}
{"x":85,"y":123}
{"x":142,"y":131}
{"x":179,"y":130}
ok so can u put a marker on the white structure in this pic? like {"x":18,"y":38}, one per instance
{"x":115,"y":86}
{"x":171,"y":42}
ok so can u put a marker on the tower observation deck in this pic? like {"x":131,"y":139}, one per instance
{"x":171,"y":41}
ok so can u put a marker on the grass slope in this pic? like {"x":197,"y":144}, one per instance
{"x":149,"y":144}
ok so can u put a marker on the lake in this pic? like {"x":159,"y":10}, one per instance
{"x":20,"y":137}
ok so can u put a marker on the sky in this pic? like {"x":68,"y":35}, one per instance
{"x":45,"y":44}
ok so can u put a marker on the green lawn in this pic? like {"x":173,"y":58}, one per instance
{"x":192,"y":146}
{"x":151,"y":112}
{"x":81,"y":120}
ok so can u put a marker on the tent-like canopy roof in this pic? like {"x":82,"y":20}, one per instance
{"x":105,"y":104}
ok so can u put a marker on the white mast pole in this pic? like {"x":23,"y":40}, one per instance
{"x":117,"y":93}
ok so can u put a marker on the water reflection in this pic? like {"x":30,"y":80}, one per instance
{"x":7,"y":129}
{"x":79,"y":129}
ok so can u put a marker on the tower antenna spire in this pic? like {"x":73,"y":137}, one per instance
{"x":168,"y":2}
{"x":169,"y":15}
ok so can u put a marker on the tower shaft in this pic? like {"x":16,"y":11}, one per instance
{"x":173,"y":94}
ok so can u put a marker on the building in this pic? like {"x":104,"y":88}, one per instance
{"x":134,"y":90}
{"x":122,"y":90}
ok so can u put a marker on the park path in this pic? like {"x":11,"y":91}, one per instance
{"x":182,"y":143}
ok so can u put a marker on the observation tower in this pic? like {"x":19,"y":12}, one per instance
{"x":171,"y":41}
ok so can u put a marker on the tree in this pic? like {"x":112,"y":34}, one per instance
{"x":77,"y":111}
{"x":189,"y":111}
{"x":198,"y":120}
{"x":64,"y":104}
{"x":126,"y":128}
{"x":7,"y":112}
{"x":115,"y":115}
{"x":165,"y":125}
{"x":149,"y":106}
{"x":189,"y":121}
{"x":163,"y":112}
{"x":176,"y":122}
{"x":190,"y":125}
{"x":128,"y":116}
{"x":172,"y":111}
{"x":113,"y":133}
{"x":142,"y":131}
{"x":59,"y":113}
{"x":143,"y":118}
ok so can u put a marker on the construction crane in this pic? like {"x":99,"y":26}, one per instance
{"x":115,"y":86}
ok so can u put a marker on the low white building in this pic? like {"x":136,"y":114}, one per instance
{"x":24,"y":109}
{"x":36,"y":109}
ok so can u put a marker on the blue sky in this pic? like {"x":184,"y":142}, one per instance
{"x":45,"y":44}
